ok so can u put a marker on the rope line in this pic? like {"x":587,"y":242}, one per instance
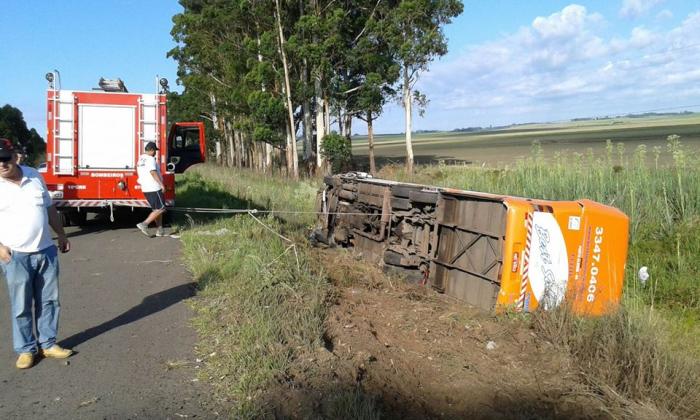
{"x":256,"y":211}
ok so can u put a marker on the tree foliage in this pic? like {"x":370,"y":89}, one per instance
{"x":337,"y":150}
{"x":14,"y":128}
{"x":267,"y":73}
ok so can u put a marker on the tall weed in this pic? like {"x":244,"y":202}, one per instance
{"x":662,"y":202}
{"x":625,"y":357}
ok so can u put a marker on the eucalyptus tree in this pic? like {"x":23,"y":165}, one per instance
{"x":265,"y":98}
{"x":375,"y":61}
{"x":415,"y":35}
{"x":259,"y":69}
{"x":225,"y":48}
{"x":292,"y":156}
{"x":364,"y":69}
{"x":205,"y":35}
{"x":317,"y":46}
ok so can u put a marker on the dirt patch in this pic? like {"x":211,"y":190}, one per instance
{"x":404,"y":351}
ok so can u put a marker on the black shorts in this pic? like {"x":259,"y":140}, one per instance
{"x":155,"y":199}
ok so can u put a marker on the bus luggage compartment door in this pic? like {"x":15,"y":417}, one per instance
{"x":469,"y":254}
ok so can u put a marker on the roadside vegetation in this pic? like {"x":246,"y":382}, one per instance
{"x":661,"y":200}
{"x":264,"y":296}
{"x":262,"y":300}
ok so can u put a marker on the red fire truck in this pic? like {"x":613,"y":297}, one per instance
{"x":94,"y":139}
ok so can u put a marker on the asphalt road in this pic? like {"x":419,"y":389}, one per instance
{"x":123,"y":311}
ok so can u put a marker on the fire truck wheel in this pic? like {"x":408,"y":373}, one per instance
{"x":65,"y":219}
{"x":167,"y":219}
{"x":78,"y":218}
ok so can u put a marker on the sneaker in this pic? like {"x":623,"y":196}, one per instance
{"x":160,"y":232}
{"x":25,"y":361}
{"x":56,"y":352}
{"x":144,"y":229}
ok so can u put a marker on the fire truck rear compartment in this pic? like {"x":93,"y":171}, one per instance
{"x":452,"y":241}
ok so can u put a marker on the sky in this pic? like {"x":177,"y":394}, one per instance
{"x":509,"y":61}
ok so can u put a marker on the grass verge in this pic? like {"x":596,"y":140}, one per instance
{"x":261,"y":300}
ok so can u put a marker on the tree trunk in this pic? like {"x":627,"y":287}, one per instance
{"x":348,"y":125}
{"x":348,"y":136}
{"x":320,"y":120}
{"x":370,"y":141}
{"x":231,"y":145}
{"x":291,"y":137}
{"x":266,"y":150}
{"x":215,"y":124}
{"x":407,"y":103}
{"x":288,"y":152}
{"x":326,"y":114}
{"x":309,"y":151}
{"x":268,"y":157}
{"x":341,"y":126}
{"x":239,"y":148}
{"x":308,"y":129}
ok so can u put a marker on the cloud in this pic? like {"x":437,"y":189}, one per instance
{"x":565,"y":24}
{"x":565,"y":65}
{"x":636,"y":8}
{"x":664,"y":15}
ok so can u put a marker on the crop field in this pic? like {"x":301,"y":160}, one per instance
{"x":505,"y":146}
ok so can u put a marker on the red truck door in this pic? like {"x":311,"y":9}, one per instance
{"x":186,"y":145}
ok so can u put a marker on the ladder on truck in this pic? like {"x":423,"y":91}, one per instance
{"x":63,"y":133}
{"x":148,"y":121}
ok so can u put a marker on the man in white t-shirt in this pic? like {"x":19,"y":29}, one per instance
{"x":29,"y":259}
{"x":153,"y":188}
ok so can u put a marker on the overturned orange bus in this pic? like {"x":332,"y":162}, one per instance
{"x":489,"y":250}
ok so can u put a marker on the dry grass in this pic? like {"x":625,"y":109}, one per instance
{"x":625,"y":359}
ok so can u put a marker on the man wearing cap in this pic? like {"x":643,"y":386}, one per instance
{"x":153,"y":188}
{"x":29,"y":259}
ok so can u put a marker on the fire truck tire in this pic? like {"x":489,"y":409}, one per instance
{"x":78,"y":218}
{"x":65,"y":218}
{"x":167,"y":218}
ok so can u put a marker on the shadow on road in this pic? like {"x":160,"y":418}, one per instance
{"x":150,"y":305}
{"x":99,"y":222}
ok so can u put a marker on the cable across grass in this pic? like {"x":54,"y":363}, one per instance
{"x":261,"y":301}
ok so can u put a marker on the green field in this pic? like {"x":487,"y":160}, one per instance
{"x":505,"y":146}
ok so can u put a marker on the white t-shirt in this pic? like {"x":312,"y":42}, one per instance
{"x":24,"y":222}
{"x":144,"y":167}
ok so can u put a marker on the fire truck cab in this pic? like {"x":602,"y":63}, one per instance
{"x":94,"y":139}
